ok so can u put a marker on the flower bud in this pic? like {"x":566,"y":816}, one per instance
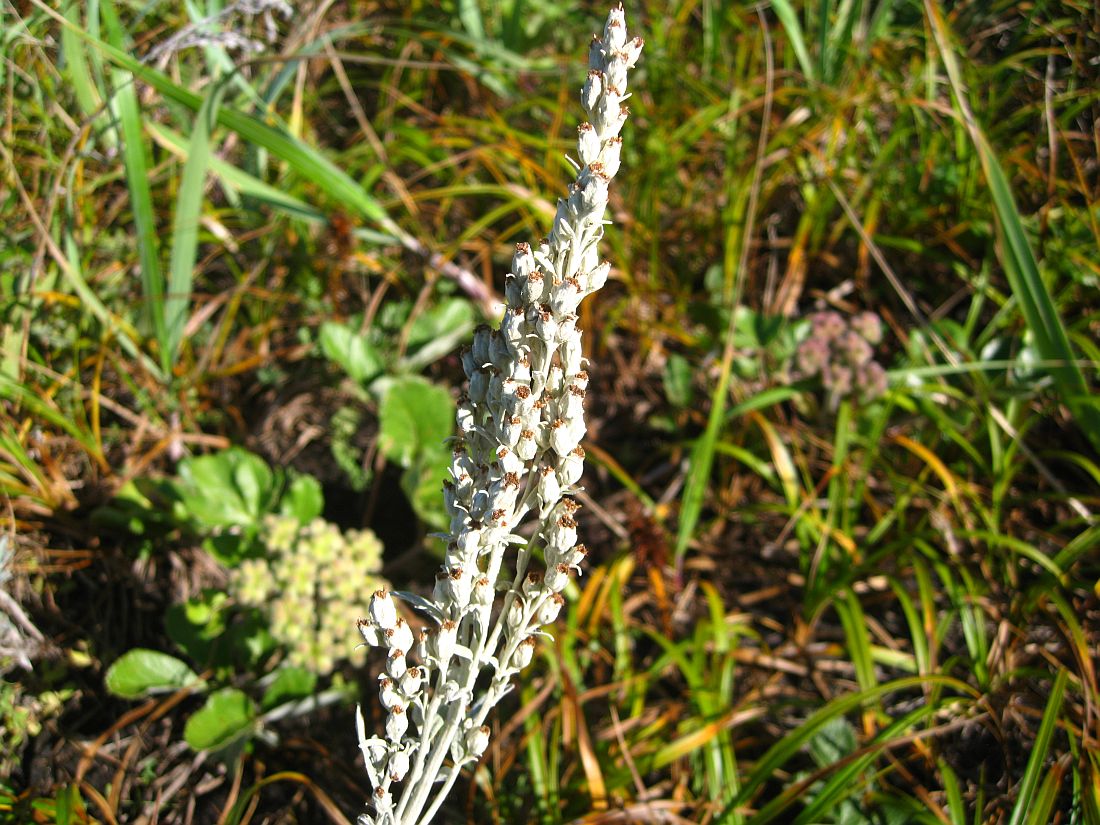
{"x":546,"y":325}
{"x":615,"y":71}
{"x":533,"y":583}
{"x":396,"y":723}
{"x":513,"y":328}
{"x":372,"y":633}
{"x":562,"y":533}
{"x":591,"y":198}
{"x":513,"y":291}
{"x":483,"y":593}
{"x":468,"y":365}
{"x":388,"y":694}
{"x":459,"y":587}
{"x":534,"y":287}
{"x":571,"y":404}
{"x":395,"y":664}
{"x":508,"y":461}
{"x":480,"y":347}
{"x":525,"y":652}
{"x":441,"y":644}
{"x":588,"y":144}
{"x":398,"y":764}
{"x":573,"y":557}
{"x":565,"y":297}
{"x":423,"y":645}
{"x":523,"y":262}
{"x":565,"y":435}
{"x":383,"y":611}
{"x":633,"y":51}
{"x":614,"y":31}
{"x":550,"y":608}
{"x":465,"y":417}
{"x":556,"y":578}
{"x":571,"y":467}
{"x":610,"y":157}
{"x":500,"y":351}
{"x":595,"y":53}
{"x":477,"y":740}
{"x":516,"y":618}
{"x":590,"y":96}
{"x":526,"y":447}
{"x":549,"y":489}
{"x":400,"y":636}
{"x":412,"y":680}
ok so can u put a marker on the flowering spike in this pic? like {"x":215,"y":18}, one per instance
{"x":521,"y":423}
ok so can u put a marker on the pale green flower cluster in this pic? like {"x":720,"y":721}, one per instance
{"x":313,"y":578}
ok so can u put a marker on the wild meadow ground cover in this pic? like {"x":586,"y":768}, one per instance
{"x":842,"y":467}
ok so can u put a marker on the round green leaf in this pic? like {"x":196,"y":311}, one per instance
{"x":303,"y":499}
{"x":415,"y":417}
{"x":227,"y":715}
{"x":291,"y":684}
{"x":350,"y":350}
{"x":140,"y":672}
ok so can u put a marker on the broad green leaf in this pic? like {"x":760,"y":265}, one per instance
{"x":232,"y":488}
{"x":677,"y":377}
{"x":227,"y":716}
{"x":422,"y":482}
{"x":351,"y":350}
{"x":303,"y":499}
{"x":290,"y":684}
{"x":196,"y":625}
{"x":438,"y":331}
{"x":415,"y":417}
{"x":140,"y":672}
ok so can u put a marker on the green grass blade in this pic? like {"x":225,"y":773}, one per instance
{"x":702,"y":453}
{"x":1026,"y":801}
{"x":850,"y":778}
{"x":185,"y":230}
{"x":76,"y":67}
{"x":137,"y":181}
{"x":237,"y":180}
{"x":850,"y":611}
{"x":789,"y":18}
{"x":304,"y":159}
{"x":117,"y":327}
{"x":1017,"y":256}
{"x":1077,"y":547}
{"x":1040,"y":813}
{"x":781,"y":752}
{"x":956,"y":808}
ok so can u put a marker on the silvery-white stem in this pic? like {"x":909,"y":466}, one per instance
{"x":517,"y":454}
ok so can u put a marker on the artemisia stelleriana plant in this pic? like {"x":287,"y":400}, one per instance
{"x":517,"y":457}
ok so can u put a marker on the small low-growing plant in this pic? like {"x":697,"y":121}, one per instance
{"x":518,"y":455}
{"x":415,"y":416}
{"x":277,"y":626}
